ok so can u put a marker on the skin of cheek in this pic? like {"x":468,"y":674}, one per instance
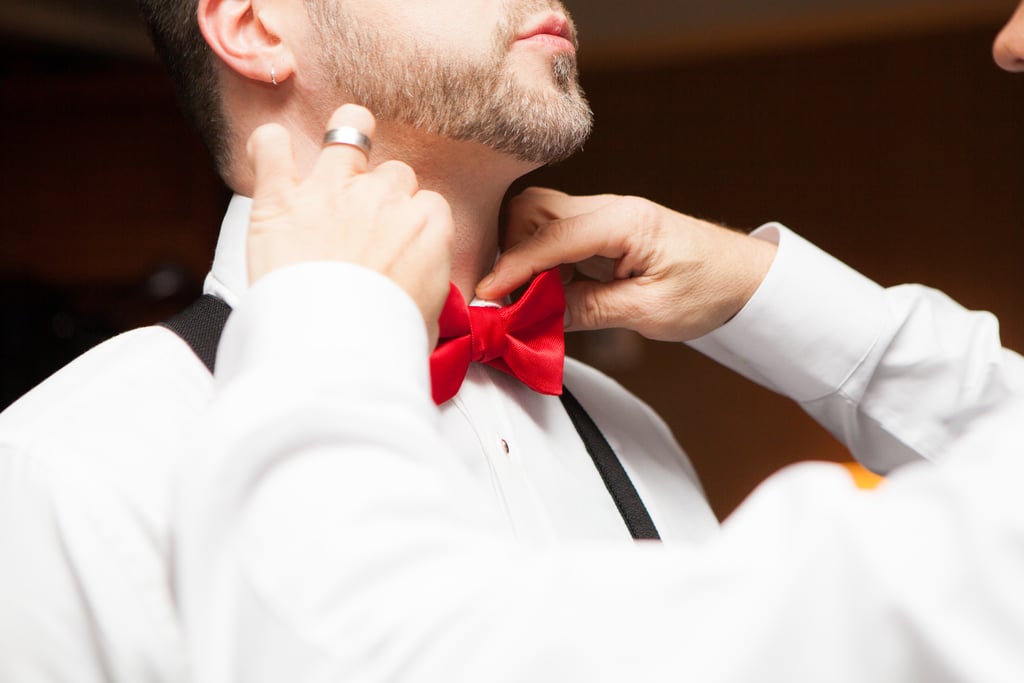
{"x":466,"y":26}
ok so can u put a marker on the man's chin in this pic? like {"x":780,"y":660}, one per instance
{"x":556,"y":75}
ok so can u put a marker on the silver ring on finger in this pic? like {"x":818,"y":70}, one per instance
{"x":351,"y":137}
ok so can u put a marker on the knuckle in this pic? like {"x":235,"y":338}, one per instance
{"x":589,"y":310}
{"x":399,"y":170}
{"x":527,"y":204}
{"x":518,"y":204}
{"x":266,"y":135}
{"x":402,"y":167}
{"x":642,"y":215}
{"x":636,"y":208}
{"x":436,"y":215}
{"x":554,"y":235}
{"x":538,"y":239}
{"x":435,"y":203}
{"x":533,"y":194}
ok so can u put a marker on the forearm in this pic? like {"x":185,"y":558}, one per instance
{"x":895,"y":374}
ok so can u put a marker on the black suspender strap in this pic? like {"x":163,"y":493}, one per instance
{"x":626,"y":498}
{"x":201,"y":324}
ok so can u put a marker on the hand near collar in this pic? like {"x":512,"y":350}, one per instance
{"x":344,"y":211}
{"x":663,"y":274}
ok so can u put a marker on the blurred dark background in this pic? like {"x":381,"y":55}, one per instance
{"x":880,"y":130}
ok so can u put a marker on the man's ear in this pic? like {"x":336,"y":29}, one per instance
{"x":244,"y":35}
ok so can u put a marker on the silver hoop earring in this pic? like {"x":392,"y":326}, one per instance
{"x":273,"y":75}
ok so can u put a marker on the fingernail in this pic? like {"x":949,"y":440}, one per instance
{"x":566,"y":319}
{"x":487,"y":281}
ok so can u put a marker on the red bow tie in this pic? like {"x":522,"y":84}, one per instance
{"x":525,"y":340}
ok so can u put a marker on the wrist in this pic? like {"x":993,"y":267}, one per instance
{"x":753,"y":261}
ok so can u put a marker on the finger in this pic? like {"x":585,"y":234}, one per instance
{"x":343,"y":159}
{"x":398,"y":176}
{"x":570,"y":240}
{"x":597,"y":305}
{"x":438,"y":232}
{"x":538,"y":206}
{"x":434,"y":251}
{"x":272,"y":161}
{"x":595,"y":268}
{"x":598,"y":268}
{"x":428,"y":239}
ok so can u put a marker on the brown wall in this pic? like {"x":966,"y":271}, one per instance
{"x":902,"y":157}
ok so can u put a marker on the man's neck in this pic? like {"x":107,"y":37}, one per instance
{"x":473,"y":179}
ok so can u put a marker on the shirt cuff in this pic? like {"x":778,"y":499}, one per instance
{"x":809,"y":325}
{"x":320,"y":317}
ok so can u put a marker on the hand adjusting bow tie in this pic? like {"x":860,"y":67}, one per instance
{"x":525,"y":340}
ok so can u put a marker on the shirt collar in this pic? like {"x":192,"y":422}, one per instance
{"x":229,"y":277}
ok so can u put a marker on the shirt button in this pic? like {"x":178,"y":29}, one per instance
{"x":504,"y":446}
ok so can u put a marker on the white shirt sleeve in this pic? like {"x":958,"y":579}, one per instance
{"x":895,"y":374}
{"x":325,"y":534}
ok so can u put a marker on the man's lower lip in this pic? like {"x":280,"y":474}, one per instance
{"x":549,"y":40}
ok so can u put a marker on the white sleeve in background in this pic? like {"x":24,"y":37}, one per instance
{"x":326,"y":535}
{"x":895,"y":374}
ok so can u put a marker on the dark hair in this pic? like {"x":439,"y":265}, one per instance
{"x":175,"y":32}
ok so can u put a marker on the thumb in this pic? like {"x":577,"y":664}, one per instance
{"x":599,"y":305}
{"x":563,"y":241}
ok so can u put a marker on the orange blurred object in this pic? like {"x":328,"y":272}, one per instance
{"x":863,"y":477}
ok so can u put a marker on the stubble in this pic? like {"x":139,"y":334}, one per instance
{"x":483,"y":101}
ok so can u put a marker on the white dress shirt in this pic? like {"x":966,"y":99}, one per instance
{"x":88,"y":460}
{"x":894,"y":373}
{"x":330,"y":531}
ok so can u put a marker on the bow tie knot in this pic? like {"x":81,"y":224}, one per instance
{"x":524,"y":340}
{"x":488,"y":334}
